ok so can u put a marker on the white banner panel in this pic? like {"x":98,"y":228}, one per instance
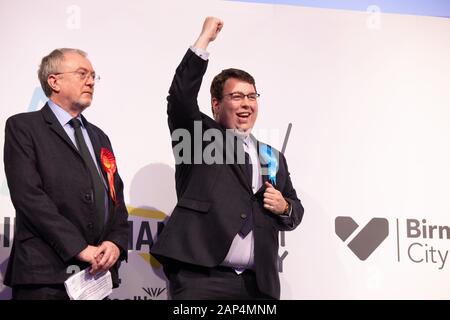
{"x":367,"y":94}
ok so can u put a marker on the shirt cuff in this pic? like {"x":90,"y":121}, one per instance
{"x":200,"y":52}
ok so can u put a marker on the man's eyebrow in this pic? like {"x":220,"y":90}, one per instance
{"x":82,"y":68}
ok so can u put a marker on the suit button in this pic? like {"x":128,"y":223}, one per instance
{"x":243,"y":215}
{"x":88,"y":197}
{"x":90,"y":225}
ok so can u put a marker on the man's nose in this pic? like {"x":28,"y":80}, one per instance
{"x":90,"y":81}
{"x":246,"y":103}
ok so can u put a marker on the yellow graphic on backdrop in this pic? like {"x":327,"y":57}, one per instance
{"x":148,"y":214}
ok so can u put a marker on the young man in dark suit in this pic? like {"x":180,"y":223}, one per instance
{"x":64,"y":185}
{"x":221,"y":240}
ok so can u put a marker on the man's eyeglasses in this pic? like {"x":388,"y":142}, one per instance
{"x":83,"y":74}
{"x":239,"y":96}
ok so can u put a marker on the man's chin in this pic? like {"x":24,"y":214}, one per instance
{"x":242,"y":131}
{"x":84,"y":104}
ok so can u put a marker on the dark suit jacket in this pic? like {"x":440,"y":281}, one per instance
{"x":52,"y":194}
{"x":212,"y":199}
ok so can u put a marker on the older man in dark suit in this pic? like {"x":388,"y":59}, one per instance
{"x":221,"y":241}
{"x":64,"y":184}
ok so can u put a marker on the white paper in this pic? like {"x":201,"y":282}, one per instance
{"x":85,"y":286}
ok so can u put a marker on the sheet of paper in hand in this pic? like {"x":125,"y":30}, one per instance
{"x":85,"y":286}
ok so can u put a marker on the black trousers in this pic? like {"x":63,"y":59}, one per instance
{"x":192,"y":282}
{"x":39,"y":292}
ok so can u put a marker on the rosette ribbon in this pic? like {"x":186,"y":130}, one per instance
{"x":269,"y":160}
{"x":109,"y":166}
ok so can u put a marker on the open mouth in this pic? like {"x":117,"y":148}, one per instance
{"x":243,"y":115}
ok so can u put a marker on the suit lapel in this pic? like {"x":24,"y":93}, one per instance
{"x":96,"y":144}
{"x":243,"y":176}
{"x":239,"y":169}
{"x":56,"y":127}
{"x":264,"y":177}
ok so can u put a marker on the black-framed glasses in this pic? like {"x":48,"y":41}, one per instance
{"x":239,"y":96}
{"x":83,"y":74}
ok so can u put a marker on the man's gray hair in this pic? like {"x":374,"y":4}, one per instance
{"x":50,"y":64}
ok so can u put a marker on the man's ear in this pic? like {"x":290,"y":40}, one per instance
{"x":215,"y":107}
{"x":52,"y":81}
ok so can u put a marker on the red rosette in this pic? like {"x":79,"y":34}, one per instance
{"x":109,"y":166}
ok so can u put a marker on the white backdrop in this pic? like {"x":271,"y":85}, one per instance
{"x":367,"y":94}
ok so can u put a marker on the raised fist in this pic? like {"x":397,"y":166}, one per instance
{"x":210,"y":30}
